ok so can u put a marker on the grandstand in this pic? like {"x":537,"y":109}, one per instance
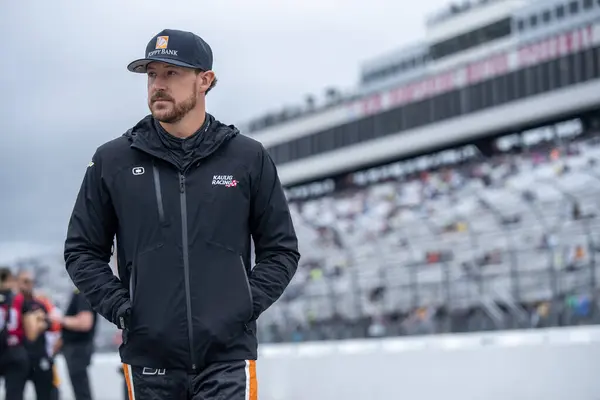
{"x":487,"y":244}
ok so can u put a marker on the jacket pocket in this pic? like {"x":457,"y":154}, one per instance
{"x":131,"y":275}
{"x":158,"y":317}
{"x":248,"y":288}
{"x":221,"y":296}
{"x":131,"y":284}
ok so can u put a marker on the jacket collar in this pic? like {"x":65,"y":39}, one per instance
{"x":149,"y":137}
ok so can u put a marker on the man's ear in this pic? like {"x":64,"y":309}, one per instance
{"x":207,"y":79}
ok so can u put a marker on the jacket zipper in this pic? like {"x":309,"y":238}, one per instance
{"x":247,"y":286}
{"x":186,"y":265}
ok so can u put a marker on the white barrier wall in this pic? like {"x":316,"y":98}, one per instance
{"x":550,"y":364}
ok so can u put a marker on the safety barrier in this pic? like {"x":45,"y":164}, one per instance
{"x":553,"y":364}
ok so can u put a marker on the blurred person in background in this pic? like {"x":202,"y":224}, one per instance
{"x":17,"y":327}
{"x":42,"y":350}
{"x":53,"y":340}
{"x":185,"y":194}
{"x":78,"y":329}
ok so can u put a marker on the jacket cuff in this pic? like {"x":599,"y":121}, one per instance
{"x":121,"y":316}
{"x":256,"y":306}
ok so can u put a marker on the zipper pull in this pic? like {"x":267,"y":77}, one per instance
{"x":181,"y":183}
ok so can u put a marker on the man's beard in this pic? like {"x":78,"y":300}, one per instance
{"x":178,"y":110}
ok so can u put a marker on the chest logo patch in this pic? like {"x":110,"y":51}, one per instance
{"x":224,"y":180}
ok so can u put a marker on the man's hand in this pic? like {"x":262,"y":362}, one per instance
{"x":124,"y":318}
{"x":56,"y":318}
{"x":35,"y":324}
{"x":41,"y":322}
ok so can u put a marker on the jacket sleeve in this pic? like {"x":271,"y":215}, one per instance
{"x":90,"y":234}
{"x":275,"y":242}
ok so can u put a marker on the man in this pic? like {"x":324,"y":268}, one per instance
{"x":184,"y":195}
{"x":78,"y":328}
{"x":40,"y":353}
{"x":16,"y":327}
{"x":14,"y":365}
{"x":52,"y":339}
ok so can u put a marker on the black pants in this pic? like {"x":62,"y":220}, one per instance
{"x":14,"y":367}
{"x":234,"y":380}
{"x":42,"y":375}
{"x":78,"y":357}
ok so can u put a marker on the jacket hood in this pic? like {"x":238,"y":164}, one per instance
{"x":146,"y":137}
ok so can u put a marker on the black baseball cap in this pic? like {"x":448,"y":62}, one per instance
{"x":175,"y":47}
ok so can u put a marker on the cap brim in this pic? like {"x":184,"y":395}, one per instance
{"x":141,"y":65}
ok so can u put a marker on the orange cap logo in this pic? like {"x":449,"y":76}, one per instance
{"x":162,"y":42}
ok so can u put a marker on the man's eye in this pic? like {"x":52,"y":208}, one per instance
{"x":172,"y":73}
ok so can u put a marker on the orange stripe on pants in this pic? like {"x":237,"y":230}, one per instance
{"x":55,"y":377}
{"x":128,"y":381}
{"x":252,"y":381}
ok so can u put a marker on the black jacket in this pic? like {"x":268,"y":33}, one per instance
{"x":183,"y":234}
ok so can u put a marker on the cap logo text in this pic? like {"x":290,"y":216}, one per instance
{"x":162,"y":42}
{"x":163,"y":53}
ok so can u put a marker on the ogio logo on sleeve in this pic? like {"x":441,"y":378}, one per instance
{"x":137,"y":170}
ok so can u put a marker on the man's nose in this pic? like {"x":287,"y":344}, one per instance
{"x":158,"y":87}
{"x":159,"y":83}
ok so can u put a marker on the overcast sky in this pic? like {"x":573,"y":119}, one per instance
{"x":65,"y":89}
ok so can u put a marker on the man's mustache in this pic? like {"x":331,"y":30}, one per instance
{"x":160,"y":96}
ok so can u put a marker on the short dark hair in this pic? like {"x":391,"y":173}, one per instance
{"x":212,"y":85}
{"x":5,"y":274}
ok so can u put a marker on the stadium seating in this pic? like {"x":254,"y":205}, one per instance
{"x":506,"y":242}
